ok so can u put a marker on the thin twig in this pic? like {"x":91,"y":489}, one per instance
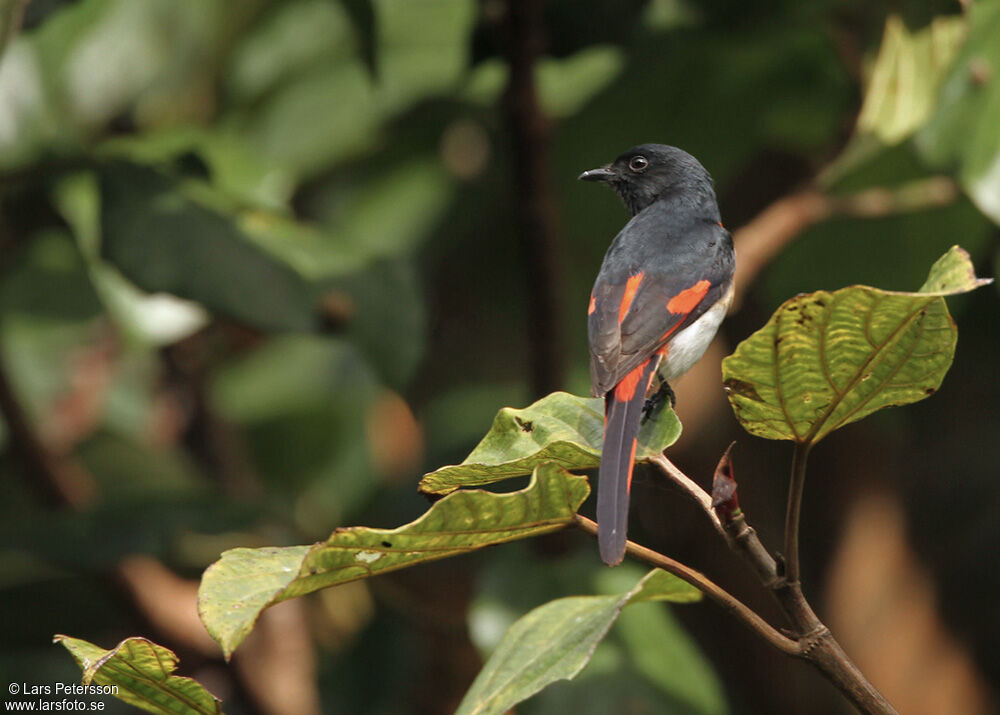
{"x":691,"y":488}
{"x":813,"y":640}
{"x":740,"y":536}
{"x":711,"y":589}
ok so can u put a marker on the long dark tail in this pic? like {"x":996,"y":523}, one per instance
{"x":622,"y":412}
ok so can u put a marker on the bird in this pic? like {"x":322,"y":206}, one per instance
{"x":663,"y":289}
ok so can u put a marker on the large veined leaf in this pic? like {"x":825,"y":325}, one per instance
{"x":561,"y":428}
{"x":962,"y":134}
{"x":141,"y":673}
{"x":555,"y":641}
{"x":235,"y":589}
{"x":827,"y":359}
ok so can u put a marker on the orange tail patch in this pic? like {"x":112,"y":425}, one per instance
{"x":625,"y":390}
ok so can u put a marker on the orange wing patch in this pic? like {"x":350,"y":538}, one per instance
{"x":593,"y":305}
{"x":688,"y":299}
{"x":625,"y":390}
{"x":631,"y":286}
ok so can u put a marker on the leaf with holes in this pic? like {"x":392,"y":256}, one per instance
{"x":561,"y":428}
{"x":235,"y":589}
{"x":825,"y":360}
{"x":555,"y":641}
{"x":141,"y":671}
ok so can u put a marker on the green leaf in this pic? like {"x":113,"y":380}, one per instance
{"x":902,"y":89}
{"x":660,"y":649}
{"x":952,"y":274}
{"x":825,"y":360}
{"x":561,"y":428}
{"x":908,"y":71}
{"x":565,"y":85}
{"x":555,"y":641}
{"x":423,"y":49}
{"x":140,"y":670}
{"x":163,"y":236}
{"x":235,"y":589}
{"x":962,"y":134}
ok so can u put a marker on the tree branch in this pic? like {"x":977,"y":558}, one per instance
{"x":708,"y":587}
{"x":760,"y":240}
{"x":813,"y":640}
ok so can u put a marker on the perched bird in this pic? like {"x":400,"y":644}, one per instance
{"x":662,"y":291}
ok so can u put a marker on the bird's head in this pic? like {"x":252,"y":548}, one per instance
{"x":647,"y":172}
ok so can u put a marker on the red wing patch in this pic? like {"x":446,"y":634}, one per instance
{"x":625,"y":390}
{"x":593,"y":305}
{"x":688,"y":299}
{"x":631,"y":286}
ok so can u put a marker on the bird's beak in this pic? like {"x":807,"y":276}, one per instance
{"x":605,"y":173}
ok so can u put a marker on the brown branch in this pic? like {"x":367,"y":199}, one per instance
{"x":715,"y":592}
{"x":529,"y":130}
{"x":813,"y":640}
{"x":760,"y":240}
{"x":691,"y":488}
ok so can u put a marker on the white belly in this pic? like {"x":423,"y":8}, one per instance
{"x":690,"y":344}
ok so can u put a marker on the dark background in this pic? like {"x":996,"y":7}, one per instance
{"x":370,"y":212}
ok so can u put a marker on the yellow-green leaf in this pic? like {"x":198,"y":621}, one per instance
{"x":902,"y":91}
{"x":961,"y":136}
{"x":555,"y":641}
{"x":827,"y":359}
{"x":141,"y":673}
{"x":561,"y":428}
{"x":235,"y":589}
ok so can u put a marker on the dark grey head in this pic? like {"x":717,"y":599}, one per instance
{"x":647,"y":172}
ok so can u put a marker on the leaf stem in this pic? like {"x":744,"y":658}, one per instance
{"x":715,"y":592}
{"x":796,"y":487}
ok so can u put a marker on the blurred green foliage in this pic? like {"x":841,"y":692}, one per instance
{"x":259,"y":271}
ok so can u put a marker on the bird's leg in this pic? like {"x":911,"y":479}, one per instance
{"x":654,"y":403}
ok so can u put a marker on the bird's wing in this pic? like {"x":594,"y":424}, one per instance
{"x":635,"y":311}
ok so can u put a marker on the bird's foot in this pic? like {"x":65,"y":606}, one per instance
{"x":654,"y":403}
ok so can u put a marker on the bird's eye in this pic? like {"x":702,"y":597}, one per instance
{"x":638,"y":163}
